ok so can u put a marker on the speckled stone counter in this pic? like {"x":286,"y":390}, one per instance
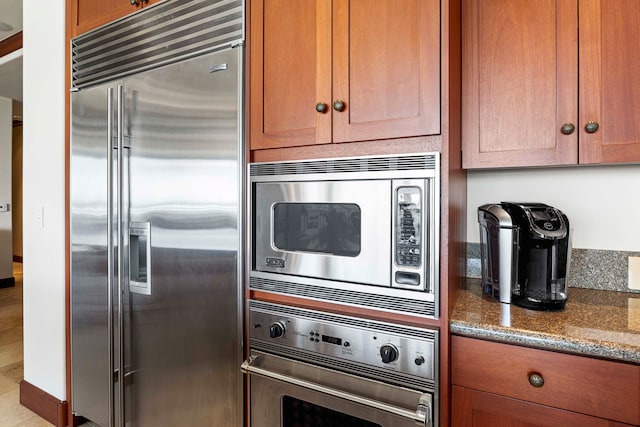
{"x":594,"y":323}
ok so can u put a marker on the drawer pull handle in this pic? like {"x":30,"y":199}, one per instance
{"x":536,"y":380}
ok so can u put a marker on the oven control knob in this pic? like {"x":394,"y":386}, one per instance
{"x":276,"y":330}
{"x":389,"y":353}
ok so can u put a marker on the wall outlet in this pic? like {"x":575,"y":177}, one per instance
{"x":40,"y":217}
{"x":634,"y":272}
{"x":4,"y":207}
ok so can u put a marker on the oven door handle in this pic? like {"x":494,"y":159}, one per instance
{"x":422,"y":415}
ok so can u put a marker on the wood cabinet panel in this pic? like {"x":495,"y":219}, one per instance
{"x":381,"y":58}
{"x":527,"y":72}
{"x":290,"y":73}
{"x":519,"y":82}
{"x":386,"y":68}
{"x":472,"y":408}
{"x":90,"y":14}
{"x":610,"y":80}
{"x":595,"y":387}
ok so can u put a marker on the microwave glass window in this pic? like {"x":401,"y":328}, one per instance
{"x":299,"y":413}
{"x":409,"y":226}
{"x":328,"y":228}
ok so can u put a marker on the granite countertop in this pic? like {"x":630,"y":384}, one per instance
{"x":595,"y":323}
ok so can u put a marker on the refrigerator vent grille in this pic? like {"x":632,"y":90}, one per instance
{"x":366,"y":371}
{"x":361,"y":299}
{"x":158,"y":35}
{"x":408,"y":332}
{"x":347,"y":165}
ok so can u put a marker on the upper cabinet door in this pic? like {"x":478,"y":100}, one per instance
{"x":520,"y":83}
{"x":386,"y":69}
{"x":610,"y":80}
{"x":90,"y":14}
{"x":290,"y":73}
{"x":343,"y":70}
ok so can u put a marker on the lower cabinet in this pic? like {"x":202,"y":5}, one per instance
{"x":479,"y":409}
{"x":495,"y":384}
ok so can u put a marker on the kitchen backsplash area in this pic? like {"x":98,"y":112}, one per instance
{"x":589,"y":268}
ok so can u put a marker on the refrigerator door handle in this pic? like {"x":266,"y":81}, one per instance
{"x":120,"y":219}
{"x":110,"y":320}
{"x":140,"y":258}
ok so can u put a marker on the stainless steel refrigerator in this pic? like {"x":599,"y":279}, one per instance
{"x":156,"y":218}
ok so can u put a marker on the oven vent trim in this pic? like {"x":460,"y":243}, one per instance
{"x":413,"y":162}
{"x":356,"y":298}
{"x":367,"y":371}
{"x":344,"y":320}
{"x":161,"y":34}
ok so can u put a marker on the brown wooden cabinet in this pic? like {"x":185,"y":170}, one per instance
{"x":537,"y":92}
{"x":498,"y":384}
{"x":472,"y":408}
{"x":400,"y":64}
{"x":89,"y":14}
{"x":380,"y":60}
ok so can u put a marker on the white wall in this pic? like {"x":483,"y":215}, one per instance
{"x":44,"y":195}
{"x":6,"y":235}
{"x":601,"y":202}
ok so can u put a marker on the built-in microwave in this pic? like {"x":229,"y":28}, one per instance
{"x":358,"y":231}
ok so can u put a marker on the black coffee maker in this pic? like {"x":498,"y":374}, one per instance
{"x":525,"y":252}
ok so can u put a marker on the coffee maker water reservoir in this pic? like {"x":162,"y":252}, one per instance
{"x":525,"y":252}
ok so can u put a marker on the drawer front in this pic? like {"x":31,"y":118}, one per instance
{"x":590,"y":386}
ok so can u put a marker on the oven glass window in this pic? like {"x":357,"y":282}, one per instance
{"x":328,"y":228}
{"x":298,"y":413}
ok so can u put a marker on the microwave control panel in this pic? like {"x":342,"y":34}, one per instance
{"x":409,"y":226}
{"x":412,"y":240}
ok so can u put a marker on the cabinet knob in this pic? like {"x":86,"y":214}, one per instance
{"x":591,"y":127}
{"x":321,"y":107}
{"x":567,"y":128}
{"x":536,"y":380}
{"x":137,"y":2}
{"x":339,"y":105}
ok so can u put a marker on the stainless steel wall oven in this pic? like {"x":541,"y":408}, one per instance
{"x":313,"y":369}
{"x":358,"y":231}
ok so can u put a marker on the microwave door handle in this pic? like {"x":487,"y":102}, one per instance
{"x":420,"y":416}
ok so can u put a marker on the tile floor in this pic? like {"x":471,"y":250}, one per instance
{"x":12,"y":414}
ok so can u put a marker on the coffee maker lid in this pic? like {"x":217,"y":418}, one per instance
{"x":543,"y":220}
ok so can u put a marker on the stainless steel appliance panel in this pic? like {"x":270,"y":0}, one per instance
{"x":93,"y":127}
{"x":182,"y":128}
{"x":357,"y":342}
{"x":361,"y":231}
{"x":365,"y":259}
{"x":413,"y":235}
{"x":156,"y":255}
{"x":325,"y":397}
{"x":309,"y":367}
